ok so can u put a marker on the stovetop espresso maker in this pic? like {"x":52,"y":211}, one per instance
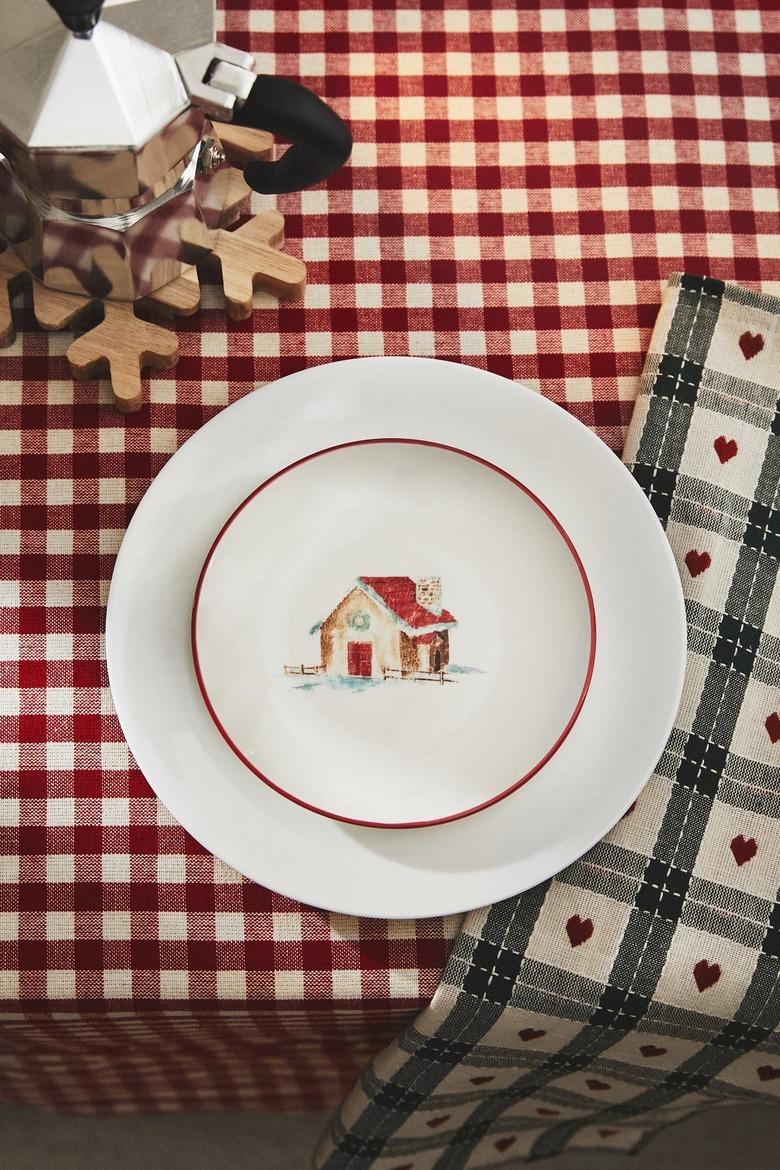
{"x":112,"y":176}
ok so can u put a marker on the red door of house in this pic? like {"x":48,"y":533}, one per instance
{"x":359,"y":659}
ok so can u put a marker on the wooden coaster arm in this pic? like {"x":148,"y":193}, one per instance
{"x":249,"y":258}
{"x":12,"y":274}
{"x":122,"y":343}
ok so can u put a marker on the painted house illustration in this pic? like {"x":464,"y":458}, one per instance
{"x":392,"y":626}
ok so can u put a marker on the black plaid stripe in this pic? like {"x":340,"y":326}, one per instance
{"x":738,"y":1034}
{"x":492,"y":972}
{"x":770,"y":944}
{"x":510,"y":923}
{"x":751,"y":299}
{"x":701,"y":765}
{"x":607,"y":869}
{"x":760,"y":1007}
{"x":495,"y":959}
{"x":696,"y":1075}
{"x":766,"y":668}
{"x":545,"y":999}
{"x":714,"y":921}
{"x":698,"y":768}
{"x":620,"y":1009}
{"x":762,"y":531}
{"x":431,"y":1058}
{"x":764,"y":491}
{"x":698,"y":307}
{"x":748,"y":403}
{"x":703,"y":625}
{"x":545,"y":984}
{"x":658,"y":484}
{"x":683,"y":826}
{"x":670,"y":758}
{"x":662,"y":890}
{"x":719,"y":708}
{"x":737,"y":644}
{"x":753,"y":585}
{"x":751,"y":786}
{"x":678,"y":379}
{"x":698,"y":504}
{"x":673,"y":392}
{"x":728,"y":912}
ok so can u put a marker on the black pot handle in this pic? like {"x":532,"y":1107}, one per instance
{"x":321,"y":141}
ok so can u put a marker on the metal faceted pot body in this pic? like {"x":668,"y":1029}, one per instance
{"x":111,"y":174}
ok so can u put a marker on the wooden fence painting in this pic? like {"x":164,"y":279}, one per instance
{"x":390,"y":672}
{"x":439,"y":676}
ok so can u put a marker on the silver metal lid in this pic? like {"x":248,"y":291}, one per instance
{"x":170,"y":24}
{"x":113,"y":91}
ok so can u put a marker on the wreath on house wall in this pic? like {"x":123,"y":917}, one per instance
{"x":359,"y":620}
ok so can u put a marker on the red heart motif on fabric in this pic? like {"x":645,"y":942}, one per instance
{"x":437,"y":1121}
{"x":607,"y":1132}
{"x":527,"y":1034}
{"x":725,"y":448}
{"x":481,"y":1080}
{"x":697,"y":562}
{"x":706,"y":974}
{"x":504,"y":1143}
{"x":597,"y":1086}
{"x":743,"y":850}
{"x":548,"y":1112}
{"x":579,"y":930}
{"x":773,"y":726}
{"x":767,"y":1072}
{"x":751,"y":344}
{"x":652,"y":1050}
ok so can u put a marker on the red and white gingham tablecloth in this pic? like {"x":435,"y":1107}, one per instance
{"x":524,"y":179}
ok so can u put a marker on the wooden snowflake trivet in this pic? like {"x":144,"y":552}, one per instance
{"x":117,"y":341}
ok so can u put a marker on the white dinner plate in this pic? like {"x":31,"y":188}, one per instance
{"x":311,"y":667}
{"x":582,"y":789}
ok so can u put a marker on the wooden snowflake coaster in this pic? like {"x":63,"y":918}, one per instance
{"x":116,"y":341}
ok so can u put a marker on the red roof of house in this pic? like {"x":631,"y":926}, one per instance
{"x":400,"y":595}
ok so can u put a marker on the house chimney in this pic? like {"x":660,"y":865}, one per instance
{"x":429,"y":593}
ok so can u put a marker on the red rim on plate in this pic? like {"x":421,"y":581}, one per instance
{"x":396,"y":824}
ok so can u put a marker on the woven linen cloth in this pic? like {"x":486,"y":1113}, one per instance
{"x":524,"y":179}
{"x":643,"y":983}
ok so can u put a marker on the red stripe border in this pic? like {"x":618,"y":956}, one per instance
{"x":393,"y":824}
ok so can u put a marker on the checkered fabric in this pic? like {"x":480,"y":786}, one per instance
{"x":524,"y":179}
{"x":643,"y":983}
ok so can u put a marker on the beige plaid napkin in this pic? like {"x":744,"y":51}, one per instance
{"x":643,"y":983}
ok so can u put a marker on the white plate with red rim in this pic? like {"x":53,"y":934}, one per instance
{"x":545,"y":479}
{"x":312,"y":669}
